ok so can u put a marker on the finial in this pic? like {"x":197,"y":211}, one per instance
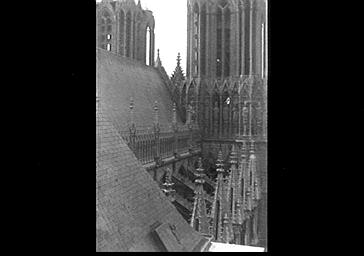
{"x":178,"y":59}
{"x":158,"y":62}
{"x":139,"y":4}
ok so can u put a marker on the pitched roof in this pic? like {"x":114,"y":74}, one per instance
{"x":132,"y":214}
{"x":119,"y":79}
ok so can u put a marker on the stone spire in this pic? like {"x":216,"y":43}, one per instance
{"x":242,"y":182}
{"x":158,"y":62}
{"x":178,"y":75}
{"x":252,"y":168}
{"x":251,"y":176}
{"x":234,"y":182}
{"x":139,"y":4}
{"x":199,"y":220}
{"x":219,"y":201}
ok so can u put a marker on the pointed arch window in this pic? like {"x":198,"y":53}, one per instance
{"x":105,"y":30}
{"x":240,"y":38}
{"x":227,"y":42}
{"x":196,"y":25}
{"x":148,"y":46}
{"x":128,"y":34}
{"x":219,"y":42}
{"x":203,"y":40}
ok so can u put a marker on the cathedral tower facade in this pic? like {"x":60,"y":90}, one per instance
{"x":226,"y":91}
{"x":123,"y":27}
{"x":226,"y":38}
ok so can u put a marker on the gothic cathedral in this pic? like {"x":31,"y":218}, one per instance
{"x":225,"y":91}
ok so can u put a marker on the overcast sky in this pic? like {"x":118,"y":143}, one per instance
{"x":170,"y":30}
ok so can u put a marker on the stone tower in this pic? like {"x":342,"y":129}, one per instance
{"x":226,"y":38}
{"x":124,"y":28}
{"x":226,"y":88}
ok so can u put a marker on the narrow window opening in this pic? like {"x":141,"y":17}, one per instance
{"x":147,"y":51}
{"x":247,"y":43}
{"x":240,"y":38}
{"x":108,"y":47}
{"x":108,"y":37}
{"x":128,"y":34}
{"x":218,"y":42}
{"x":227,"y":43}
{"x":203,"y":40}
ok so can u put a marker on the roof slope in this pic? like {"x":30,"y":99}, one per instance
{"x":130,"y":205}
{"x":119,"y":79}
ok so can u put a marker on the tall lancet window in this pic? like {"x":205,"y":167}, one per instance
{"x":105,"y":31}
{"x":147,"y":50}
{"x":246,"y":39}
{"x":218,"y":42}
{"x":203,"y":40}
{"x":227,"y":42}
{"x":128,"y":35}
{"x":196,"y":23}
{"x":121,"y":32}
{"x":240,"y":38}
{"x":263,"y":50}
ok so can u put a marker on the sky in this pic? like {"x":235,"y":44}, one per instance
{"x":170,"y":30}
